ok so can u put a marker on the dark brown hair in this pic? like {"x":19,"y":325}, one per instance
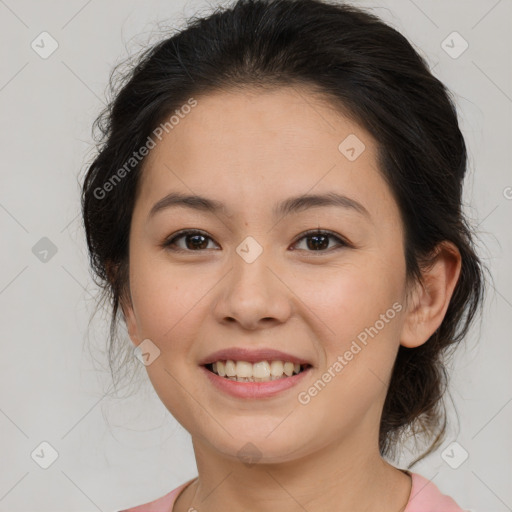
{"x":374,"y":75}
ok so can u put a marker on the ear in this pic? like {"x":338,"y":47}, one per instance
{"x":430,"y":298}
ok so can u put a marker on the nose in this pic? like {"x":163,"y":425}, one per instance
{"x":253,"y":295}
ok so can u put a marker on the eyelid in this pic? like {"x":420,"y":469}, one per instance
{"x":342,"y":242}
{"x":182,"y":233}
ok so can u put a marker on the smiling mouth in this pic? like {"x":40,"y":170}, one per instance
{"x":262,"y":371}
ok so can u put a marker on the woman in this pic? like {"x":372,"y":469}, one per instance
{"x":275,"y":210}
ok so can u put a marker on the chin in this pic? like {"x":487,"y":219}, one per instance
{"x":258,"y":447}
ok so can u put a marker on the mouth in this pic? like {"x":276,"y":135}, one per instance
{"x":260,"y":371}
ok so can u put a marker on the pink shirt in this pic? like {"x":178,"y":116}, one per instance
{"x":424,"y":497}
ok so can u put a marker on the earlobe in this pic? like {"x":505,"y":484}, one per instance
{"x":430,"y":298}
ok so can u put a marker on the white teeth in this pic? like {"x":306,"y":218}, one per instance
{"x":243,"y":369}
{"x":276,"y":368}
{"x":262,"y":371}
{"x":230,"y":368}
{"x":221,"y":368}
{"x":288,"y":369}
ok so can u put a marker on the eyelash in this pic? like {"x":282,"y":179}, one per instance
{"x":167,"y":244}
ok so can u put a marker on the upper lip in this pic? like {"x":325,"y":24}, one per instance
{"x":251,"y":356}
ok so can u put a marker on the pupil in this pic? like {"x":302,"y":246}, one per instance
{"x":316,"y":245}
{"x":194,"y":244}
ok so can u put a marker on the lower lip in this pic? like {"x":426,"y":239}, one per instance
{"x":254,"y":389}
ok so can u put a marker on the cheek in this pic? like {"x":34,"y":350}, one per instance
{"x":167,"y":304}
{"x":351,"y":297}
{"x":359,"y":306}
{"x":171,"y":304}
{"x":359,"y":310}
{"x":163,"y":295}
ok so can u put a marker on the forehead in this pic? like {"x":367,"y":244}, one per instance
{"x":256,"y":123}
{"x":252,"y":145}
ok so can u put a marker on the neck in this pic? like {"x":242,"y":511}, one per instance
{"x":337,"y":478}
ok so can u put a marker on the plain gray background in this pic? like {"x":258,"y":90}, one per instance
{"x":114,"y":453}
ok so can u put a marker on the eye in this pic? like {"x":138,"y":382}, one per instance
{"x":194,"y":240}
{"x":317,"y":240}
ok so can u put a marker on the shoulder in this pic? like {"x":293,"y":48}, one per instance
{"x":426,"y":497}
{"x":163,"y":504}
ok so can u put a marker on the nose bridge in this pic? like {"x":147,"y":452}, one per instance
{"x":250,"y":266}
{"x":252,"y":292}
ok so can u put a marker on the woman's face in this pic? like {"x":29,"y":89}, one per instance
{"x":255,"y":281}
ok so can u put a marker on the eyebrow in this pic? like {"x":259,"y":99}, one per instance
{"x":291,"y":205}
